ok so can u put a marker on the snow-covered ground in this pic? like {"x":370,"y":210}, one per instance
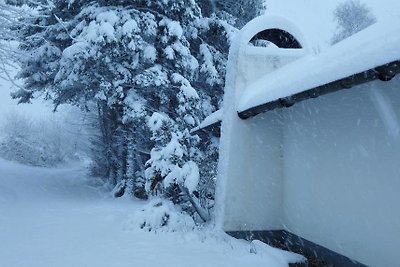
{"x":55,"y":217}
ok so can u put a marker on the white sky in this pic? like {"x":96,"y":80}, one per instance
{"x":7,"y":105}
{"x":313,"y":17}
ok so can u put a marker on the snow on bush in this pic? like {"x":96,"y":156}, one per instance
{"x":156,"y":121}
{"x":160,"y":215}
{"x":188,"y":175}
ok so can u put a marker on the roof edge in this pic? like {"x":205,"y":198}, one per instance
{"x":384,"y":73}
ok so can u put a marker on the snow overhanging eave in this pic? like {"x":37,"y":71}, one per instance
{"x":367,"y":55}
{"x":384,"y":73}
{"x":211,"y":124}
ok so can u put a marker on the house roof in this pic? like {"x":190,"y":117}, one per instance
{"x":373,"y":53}
{"x":211,"y":124}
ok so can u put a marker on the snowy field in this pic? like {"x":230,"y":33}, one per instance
{"x":54,"y":217}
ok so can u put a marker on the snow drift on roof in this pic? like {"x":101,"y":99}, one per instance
{"x":209,"y":120}
{"x":375,"y":46}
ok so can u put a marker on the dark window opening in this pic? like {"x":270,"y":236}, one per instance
{"x":278,"y":37}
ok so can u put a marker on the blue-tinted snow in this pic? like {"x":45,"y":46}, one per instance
{"x":372,"y":47}
{"x":54,"y":217}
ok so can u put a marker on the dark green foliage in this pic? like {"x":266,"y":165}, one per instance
{"x":148,"y":72}
{"x":242,"y":11}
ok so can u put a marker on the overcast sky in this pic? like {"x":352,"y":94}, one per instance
{"x":7,"y":105}
{"x":313,"y":17}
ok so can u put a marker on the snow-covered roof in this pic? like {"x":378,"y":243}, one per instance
{"x":375,"y":46}
{"x":212,"y":119}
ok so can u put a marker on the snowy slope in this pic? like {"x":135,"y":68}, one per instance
{"x":53,"y":217}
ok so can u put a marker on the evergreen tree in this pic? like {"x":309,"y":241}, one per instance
{"x":9,"y":14}
{"x":351,"y":17}
{"x":131,"y":63}
{"x":241,"y":11}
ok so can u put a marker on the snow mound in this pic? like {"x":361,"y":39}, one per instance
{"x":281,"y":256}
{"x":160,"y":215}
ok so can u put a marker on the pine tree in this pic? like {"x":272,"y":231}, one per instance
{"x":351,"y":17}
{"x":148,"y":71}
{"x":127,"y":62}
{"x":241,"y":11}
{"x":10,"y":11}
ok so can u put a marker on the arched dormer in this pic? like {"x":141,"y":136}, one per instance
{"x":264,"y":45}
{"x":278,"y":30}
{"x":278,"y":37}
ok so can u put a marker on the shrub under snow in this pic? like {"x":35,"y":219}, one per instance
{"x":161,"y":215}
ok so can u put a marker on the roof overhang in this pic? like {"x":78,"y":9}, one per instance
{"x":211,"y":124}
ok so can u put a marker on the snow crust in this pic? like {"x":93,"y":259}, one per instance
{"x":54,"y":217}
{"x":372,"y":47}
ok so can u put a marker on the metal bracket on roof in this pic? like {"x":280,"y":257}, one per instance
{"x":387,"y":72}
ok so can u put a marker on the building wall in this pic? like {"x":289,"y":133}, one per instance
{"x":326,"y":169}
{"x":342,"y":172}
{"x":253,"y":198}
{"x":249,"y":202}
{"x":249,"y":186}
